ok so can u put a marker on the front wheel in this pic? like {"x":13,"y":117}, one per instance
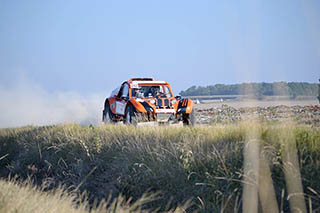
{"x":130,"y":116}
{"x":189,"y":119}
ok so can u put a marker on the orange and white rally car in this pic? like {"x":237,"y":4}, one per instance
{"x":146,"y":100}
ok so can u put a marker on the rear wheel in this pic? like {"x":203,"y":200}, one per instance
{"x":189,"y":119}
{"x":107,"y":115}
{"x":130,"y":116}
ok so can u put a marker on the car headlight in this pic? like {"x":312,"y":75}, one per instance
{"x":152,"y":101}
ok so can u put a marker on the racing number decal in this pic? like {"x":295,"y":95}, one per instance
{"x":120,"y":107}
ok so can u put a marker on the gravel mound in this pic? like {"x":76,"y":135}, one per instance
{"x":227,"y":114}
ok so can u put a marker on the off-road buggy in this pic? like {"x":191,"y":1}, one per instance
{"x":146,"y":100}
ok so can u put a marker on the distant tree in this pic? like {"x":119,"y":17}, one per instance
{"x":292,"y":89}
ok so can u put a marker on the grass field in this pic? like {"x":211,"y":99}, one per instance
{"x":249,"y":166}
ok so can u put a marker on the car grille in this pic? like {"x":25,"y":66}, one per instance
{"x":166,"y":102}
{"x":161,"y":101}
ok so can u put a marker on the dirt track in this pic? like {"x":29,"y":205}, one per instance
{"x":306,"y":112}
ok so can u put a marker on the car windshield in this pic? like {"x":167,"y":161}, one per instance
{"x":151,"y":91}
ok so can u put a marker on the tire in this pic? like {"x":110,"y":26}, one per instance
{"x":107,"y":115}
{"x":189,"y":119}
{"x":130,"y":116}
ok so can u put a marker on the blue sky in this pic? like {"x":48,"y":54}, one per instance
{"x":92,"y":46}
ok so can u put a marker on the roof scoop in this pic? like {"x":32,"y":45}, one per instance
{"x":141,"y":79}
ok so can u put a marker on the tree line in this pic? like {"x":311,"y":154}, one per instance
{"x":291,"y":89}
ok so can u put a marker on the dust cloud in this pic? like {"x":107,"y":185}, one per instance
{"x":26,"y":103}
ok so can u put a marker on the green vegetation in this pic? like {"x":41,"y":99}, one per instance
{"x":23,"y":197}
{"x":292,"y":89}
{"x":204,"y":165}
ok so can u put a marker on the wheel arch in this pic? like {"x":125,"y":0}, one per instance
{"x":137,"y":106}
{"x":185,"y":106}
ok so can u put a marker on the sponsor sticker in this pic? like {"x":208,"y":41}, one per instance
{"x":120,"y":107}
{"x":165,"y":111}
{"x":134,"y":86}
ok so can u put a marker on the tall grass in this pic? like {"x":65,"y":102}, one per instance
{"x":207,"y":165}
{"x":16,"y":196}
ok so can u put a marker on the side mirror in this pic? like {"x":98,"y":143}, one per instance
{"x":178,"y":97}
